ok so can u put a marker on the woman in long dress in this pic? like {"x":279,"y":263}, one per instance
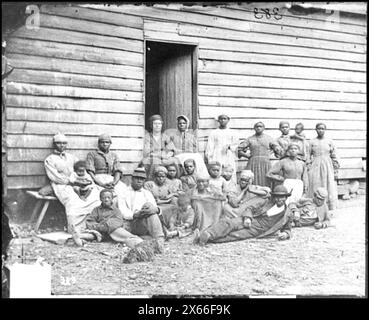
{"x":59,"y":167}
{"x":323,"y":166}
{"x":260,"y":145}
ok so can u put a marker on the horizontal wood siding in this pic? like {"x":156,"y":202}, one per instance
{"x":80,"y":73}
{"x":300,"y":68}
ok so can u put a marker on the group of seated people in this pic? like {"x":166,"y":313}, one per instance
{"x":171,"y":198}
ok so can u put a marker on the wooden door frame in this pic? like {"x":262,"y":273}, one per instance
{"x":194,"y":58}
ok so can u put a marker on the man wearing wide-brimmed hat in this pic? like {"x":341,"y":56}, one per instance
{"x":263,"y":218}
{"x":140,"y":208}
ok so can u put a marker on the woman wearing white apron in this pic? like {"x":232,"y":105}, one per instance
{"x":292,"y":173}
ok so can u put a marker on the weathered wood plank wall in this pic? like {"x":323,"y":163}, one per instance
{"x":305,"y":69}
{"x":82,"y":73}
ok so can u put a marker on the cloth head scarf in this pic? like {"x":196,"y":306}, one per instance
{"x":59,"y":137}
{"x":160,"y":169}
{"x":247,"y":174}
{"x":182,"y":116}
{"x":104,"y":136}
{"x":190,"y":161}
{"x":321,"y":193}
{"x":153,"y":118}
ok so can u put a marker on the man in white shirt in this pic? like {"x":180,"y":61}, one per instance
{"x":140,"y":210}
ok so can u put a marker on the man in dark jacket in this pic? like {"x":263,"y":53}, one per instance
{"x":263,"y":218}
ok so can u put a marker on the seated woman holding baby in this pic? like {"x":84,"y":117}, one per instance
{"x":59,"y":168}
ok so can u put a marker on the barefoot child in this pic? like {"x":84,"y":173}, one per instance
{"x":82,"y":181}
{"x":314,"y":211}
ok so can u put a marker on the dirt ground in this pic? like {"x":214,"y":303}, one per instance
{"x":314,"y":262}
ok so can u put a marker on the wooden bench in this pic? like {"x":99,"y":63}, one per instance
{"x":42,"y":201}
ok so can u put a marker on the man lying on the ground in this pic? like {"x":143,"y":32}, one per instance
{"x":265,"y":217}
{"x":239,"y":199}
{"x":308,"y":212}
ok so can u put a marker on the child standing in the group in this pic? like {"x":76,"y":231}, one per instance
{"x":189,"y":180}
{"x":309,"y":211}
{"x":175,"y":183}
{"x":182,"y":223}
{"x":83,"y":183}
{"x":227,"y":174}
{"x":300,"y":139}
{"x":284,"y":140}
{"x":216,"y":180}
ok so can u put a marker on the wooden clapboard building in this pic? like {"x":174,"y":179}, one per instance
{"x":90,"y":69}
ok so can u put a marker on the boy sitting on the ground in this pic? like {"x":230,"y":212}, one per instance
{"x":309,"y":212}
{"x":182,"y":222}
{"x":108,"y":220}
{"x":189,"y":179}
{"x":82,"y":181}
{"x":216,"y":180}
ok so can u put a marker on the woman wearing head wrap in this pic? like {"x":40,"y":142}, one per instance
{"x":244,"y":195}
{"x":104,"y":167}
{"x":158,"y":149}
{"x":59,"y":167}
{"x":163,"y":193}
{"x":222,"y":145}
{"x":260,"y":146}
{"x":292,"y":173}
{"x":323,"y":166}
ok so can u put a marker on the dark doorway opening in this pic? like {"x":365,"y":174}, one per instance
{"x":171,"y":82}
